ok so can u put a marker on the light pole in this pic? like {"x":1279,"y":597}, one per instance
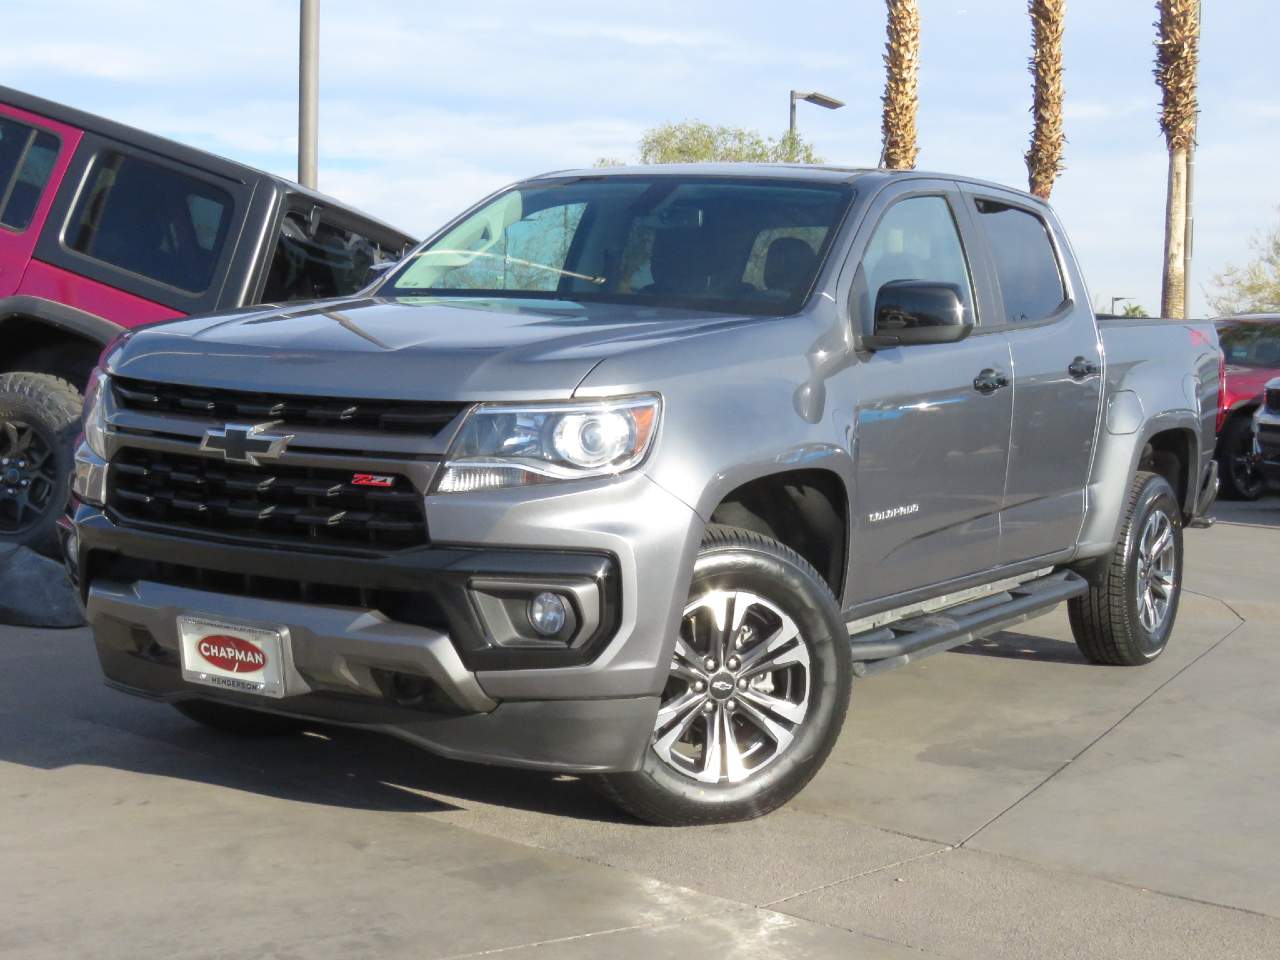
{"x":1115,"y":300}
{"x":308,"y":92}
{"x":820,"y":99}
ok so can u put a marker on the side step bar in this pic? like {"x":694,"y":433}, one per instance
{"x":899,"y":643}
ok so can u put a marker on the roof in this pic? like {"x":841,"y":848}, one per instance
{"x":192,"y":156}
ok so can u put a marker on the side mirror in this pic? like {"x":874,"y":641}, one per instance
{"x":918,"y":311}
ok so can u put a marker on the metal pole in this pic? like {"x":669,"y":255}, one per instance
{"x":792,"y":127}
{"x":308,"y":93}
{"x":1190,"y":215}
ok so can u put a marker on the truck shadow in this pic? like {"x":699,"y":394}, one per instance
{"x":1024,"y":646}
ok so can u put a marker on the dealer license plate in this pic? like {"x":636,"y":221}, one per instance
{"x":232,"y":656}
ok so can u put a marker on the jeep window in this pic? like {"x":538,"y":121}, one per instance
{"x":26,"y":161}
{"x":151,"y":220}
{"x":1249,"y":344}
{"x":703,"y":243}
{"x":917,"y":240}
{"x":1026,"y":265}
{"x":315,"y":264}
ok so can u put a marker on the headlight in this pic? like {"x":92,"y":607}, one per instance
{"x":511,"y":445}
{"x":95,"y":415}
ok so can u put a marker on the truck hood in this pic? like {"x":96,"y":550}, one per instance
{"x":409,"y":348}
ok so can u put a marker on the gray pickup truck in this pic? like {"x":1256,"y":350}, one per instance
{"x":631,"y":473}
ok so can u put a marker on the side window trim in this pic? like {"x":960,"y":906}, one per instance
{"x":972,"y":195}
{"x":879,"y":207}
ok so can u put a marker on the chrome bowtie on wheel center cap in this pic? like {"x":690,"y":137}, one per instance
{"x":738,"y":691}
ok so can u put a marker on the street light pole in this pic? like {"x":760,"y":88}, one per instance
{"x":1115,"y":300}
{"x":308,"y":92}
{"x":819,"y":99}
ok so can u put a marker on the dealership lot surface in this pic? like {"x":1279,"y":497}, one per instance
{"x":1003,"y":800}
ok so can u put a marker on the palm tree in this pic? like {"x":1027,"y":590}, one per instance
{"x":1044,"y":158}
{"x":902,"y":77}
{"x":1177,"y":56}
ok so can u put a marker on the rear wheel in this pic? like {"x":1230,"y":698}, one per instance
{"x":1126,"y":617}
{"x":757,"y":692}
{"x":39,"y":420}
{"x":1237,"y":466}
{"x":237,"y":720}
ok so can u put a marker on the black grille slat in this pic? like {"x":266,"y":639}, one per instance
{"x":386,"y":416}
{"x":275,"y":503}
{"x":1273,"y":399}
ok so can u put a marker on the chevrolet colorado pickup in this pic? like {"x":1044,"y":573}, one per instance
{"x":105,"y":228}
{"x":631,"y":473}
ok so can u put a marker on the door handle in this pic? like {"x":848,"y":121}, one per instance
{"x":1080,"y":368}
{"x":989,"y":381}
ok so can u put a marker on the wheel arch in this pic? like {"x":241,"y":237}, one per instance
{"x":44,"y":336}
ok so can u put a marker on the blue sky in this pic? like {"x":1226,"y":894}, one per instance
{"x":427,"y":106}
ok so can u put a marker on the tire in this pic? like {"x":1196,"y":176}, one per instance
{"x":239,"y":721}
{"x":1111,"y":623}
{"x":789,"y":621}
{"x":1240,"y":477}
{"x":39,"y":422}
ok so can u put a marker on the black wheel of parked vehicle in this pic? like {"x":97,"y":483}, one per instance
{"x":1237,"y":466}
{"x":1126,"y":617}
{"x":757,"y":692}
{"x":39,"y":421}
{"x":237,"y":720}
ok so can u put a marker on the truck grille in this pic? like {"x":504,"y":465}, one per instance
{"x":385,"y":416}
{"x":1273,"y":399}
{"x":272,"y":503}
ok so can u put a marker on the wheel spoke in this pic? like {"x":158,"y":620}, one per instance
{"x":713,"y":751}
{"x":664,"y":744}
{"x":735,"y":770}
{"x":774,"y":653}
{"x":792,"y":712}
{"x":771,"y":728}
{"x":11,"y":438}
{"x":686,"y":662}
{"x":1163,"y":542}
{"x":678,"y":707}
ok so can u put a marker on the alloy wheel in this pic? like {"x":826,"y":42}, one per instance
{"x":28,"y":476}
{"x":738,"y":691}
{"x":1156,"y":571}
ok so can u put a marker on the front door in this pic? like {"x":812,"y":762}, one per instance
{"x":930,"y":445}
{"x":1057,"y":389}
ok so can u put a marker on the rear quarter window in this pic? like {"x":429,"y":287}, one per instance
{"x":27,"y":156}
{"x":1026,"y":265}
{"x":151,"y":220}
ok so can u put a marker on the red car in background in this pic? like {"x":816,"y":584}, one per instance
{"x":1251,"y":353}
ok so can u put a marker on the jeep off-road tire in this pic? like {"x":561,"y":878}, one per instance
{"x":39,"y":422}
{"x":237,"y":720}
{"x":1126,"y":617}
{"x":758,"y":689}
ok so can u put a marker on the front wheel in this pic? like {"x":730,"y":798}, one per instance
{"x":1126,"y":617}
{"x":757,"y":692}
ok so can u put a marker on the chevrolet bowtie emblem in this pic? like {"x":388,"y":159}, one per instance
{"x":243,"y":443}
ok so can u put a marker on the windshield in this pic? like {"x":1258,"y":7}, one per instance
{"x":732,"y":244}
{"x":1250,"y":343}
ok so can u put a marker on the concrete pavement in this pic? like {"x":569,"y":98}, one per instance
{"x":1003,"y":800}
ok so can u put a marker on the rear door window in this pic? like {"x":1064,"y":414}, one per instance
{"x":1026,"y":266}
{"x":151,"y":220}
{"x":317,"y":259}
{"x":26,"y":162}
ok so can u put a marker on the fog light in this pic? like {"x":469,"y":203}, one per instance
{"x":547,"y":613}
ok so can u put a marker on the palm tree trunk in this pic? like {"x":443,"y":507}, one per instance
{"x":1173,"y":287}
{"x":1044,"y":158}
{"x":1177,"y":58}
{"x":902,"y":78}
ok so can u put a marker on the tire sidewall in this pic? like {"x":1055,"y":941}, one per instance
{"x":1156,"y":493}
{"x":799,"y":593}
{"x":1238,"y":429}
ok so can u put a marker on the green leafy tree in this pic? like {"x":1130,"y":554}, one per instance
{"x":1134,"y":310}
{"x":1254,"y":287}
{"x":693,"y":141}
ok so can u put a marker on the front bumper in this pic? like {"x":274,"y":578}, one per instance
{"x":589,"y":709}
{"x":1267,"y":443}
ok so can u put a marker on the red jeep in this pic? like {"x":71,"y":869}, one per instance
{"x":1251,"y":354}
{"x":104,"y":228}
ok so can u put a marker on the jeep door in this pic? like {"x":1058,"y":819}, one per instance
{"x":931,"y":423}
{"x":34,"y":153}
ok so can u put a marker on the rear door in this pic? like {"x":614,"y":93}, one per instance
{"x":34,"y":153}
{"x":930,"y":448}
{"x":1057,"y":375}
